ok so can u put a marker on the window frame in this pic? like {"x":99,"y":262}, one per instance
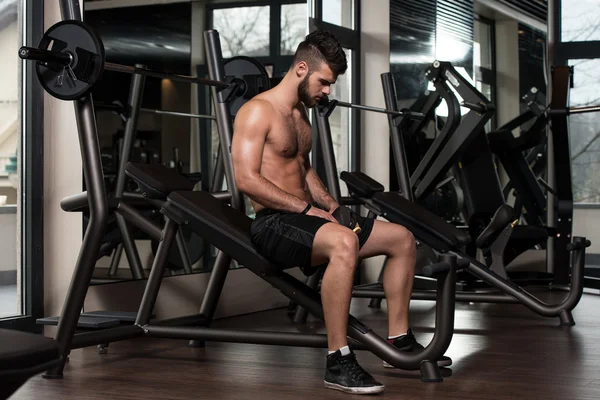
{"x":280,"y":62}
{"x":349,"y":39}
{"x":31,"y":99}
{"x":487,"y":76}
{"x":565,"y":51}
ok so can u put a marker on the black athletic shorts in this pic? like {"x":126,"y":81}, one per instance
{"x":286,"y":238}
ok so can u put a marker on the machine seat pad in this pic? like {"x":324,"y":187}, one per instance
{"x":361,"y":184}
{"x":224,"y":227}
{"x":156,"y":180}
{"x":23,"y":350}
{"x":421,"y":222}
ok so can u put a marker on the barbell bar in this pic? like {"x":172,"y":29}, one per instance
{"x":326,"y":102}
{"x":70,"y":60}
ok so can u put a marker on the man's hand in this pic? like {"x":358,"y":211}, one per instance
{"x":346,"y":217}
{"x":317,"y":212}
{"x":332,"y":207}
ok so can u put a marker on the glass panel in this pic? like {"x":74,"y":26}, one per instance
{"x":579,"y":20}
{"x":486,"y":90}
{"x":10,"y":158}
{"x":482,"y":45}
{"x":244,"y":31}
{"x":340,"y":121}
{"x":293,"y":27}
{"x":584,"y":132}
{"x":339,"y":12}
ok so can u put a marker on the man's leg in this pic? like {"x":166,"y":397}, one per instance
{"x":337,"y":246}
{"x":398,"y":244}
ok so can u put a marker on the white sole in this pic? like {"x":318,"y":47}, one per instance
{"x":355,"y":390}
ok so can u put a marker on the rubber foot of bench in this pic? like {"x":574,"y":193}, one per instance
{"x":430,"y":372}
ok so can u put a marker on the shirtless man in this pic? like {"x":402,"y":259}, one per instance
{"x":294,"y":225}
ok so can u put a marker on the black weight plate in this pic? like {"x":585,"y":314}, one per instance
{"x":254,"y":75}
{"x":87,"y":51}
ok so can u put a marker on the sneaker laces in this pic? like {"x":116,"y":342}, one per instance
{"x":353,"y":368}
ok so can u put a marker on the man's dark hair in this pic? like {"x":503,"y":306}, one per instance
{"x":321,"y":46}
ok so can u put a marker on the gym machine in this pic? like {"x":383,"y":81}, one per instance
{"x":224,"y":226}
{"x":440,"y":236}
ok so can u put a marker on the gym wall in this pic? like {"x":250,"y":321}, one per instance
{"x":375,"y":147}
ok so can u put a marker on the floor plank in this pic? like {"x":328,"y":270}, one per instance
{"x":500,"y":352}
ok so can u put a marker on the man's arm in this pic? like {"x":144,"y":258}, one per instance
{"x":317,"y":190}
{"x":252,"y":124}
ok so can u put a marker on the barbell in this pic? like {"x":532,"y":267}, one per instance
{"x":71,"y":59}
{"x":325,"y":102}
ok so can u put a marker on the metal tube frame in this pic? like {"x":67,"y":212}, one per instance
{"x":561,"y":310}
{"x":470,"y":126}
{"x":553,"y":38}
{"x":176,"y":114}
{"x":90,"y":248}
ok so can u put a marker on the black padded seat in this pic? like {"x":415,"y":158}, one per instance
{"x":23,"y":355}
{"x":156,"y":180}
{"x":227,"y":229}
{"x":423,"y":224}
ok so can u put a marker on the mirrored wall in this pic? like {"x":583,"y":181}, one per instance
{"x":168,"y":37}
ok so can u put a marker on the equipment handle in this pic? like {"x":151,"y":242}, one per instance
{"x":435,"y":269}
{"x":46,"y":56}
{"x":578,"y":245}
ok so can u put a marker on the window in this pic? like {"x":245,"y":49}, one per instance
{"x":584,"y":131}
{"x":244,"y":31}
{"x":484,"y":68}
{"x":339,"y":12}
{"x":21,"y":137}
{"x":482,"y":46}
{"x":340,"y":122}
{"x":292,"y":26}
{"x":341,"y":17}
{"x":10,"y":127}
{"x":579,"y":20}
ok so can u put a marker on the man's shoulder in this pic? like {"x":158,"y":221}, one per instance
{"x":257,"y":105}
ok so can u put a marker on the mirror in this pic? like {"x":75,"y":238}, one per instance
{"x":168,"y":37}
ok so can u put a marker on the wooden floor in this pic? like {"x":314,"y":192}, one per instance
{"x":499,"y":352}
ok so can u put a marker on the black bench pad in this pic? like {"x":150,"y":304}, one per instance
{"x":22,"y":351}
{"x":362,"y":185}
{"x":423,"y":224}
{"x":226,"y":228}
{"x":156,"y":180}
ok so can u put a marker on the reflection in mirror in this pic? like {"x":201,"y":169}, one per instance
{"x":169,"y":37}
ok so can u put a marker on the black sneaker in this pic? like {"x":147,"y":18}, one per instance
{"x":345,"y":374}
{"x":409,"y":344}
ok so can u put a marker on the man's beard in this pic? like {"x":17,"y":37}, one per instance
{"x":303,"y":94}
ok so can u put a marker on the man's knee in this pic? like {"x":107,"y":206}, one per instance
{"x":406,"y":243}
{"x":346,"y":248}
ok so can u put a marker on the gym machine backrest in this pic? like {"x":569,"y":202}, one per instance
{"x":465,"y":146}
{"x":449,"y":146}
